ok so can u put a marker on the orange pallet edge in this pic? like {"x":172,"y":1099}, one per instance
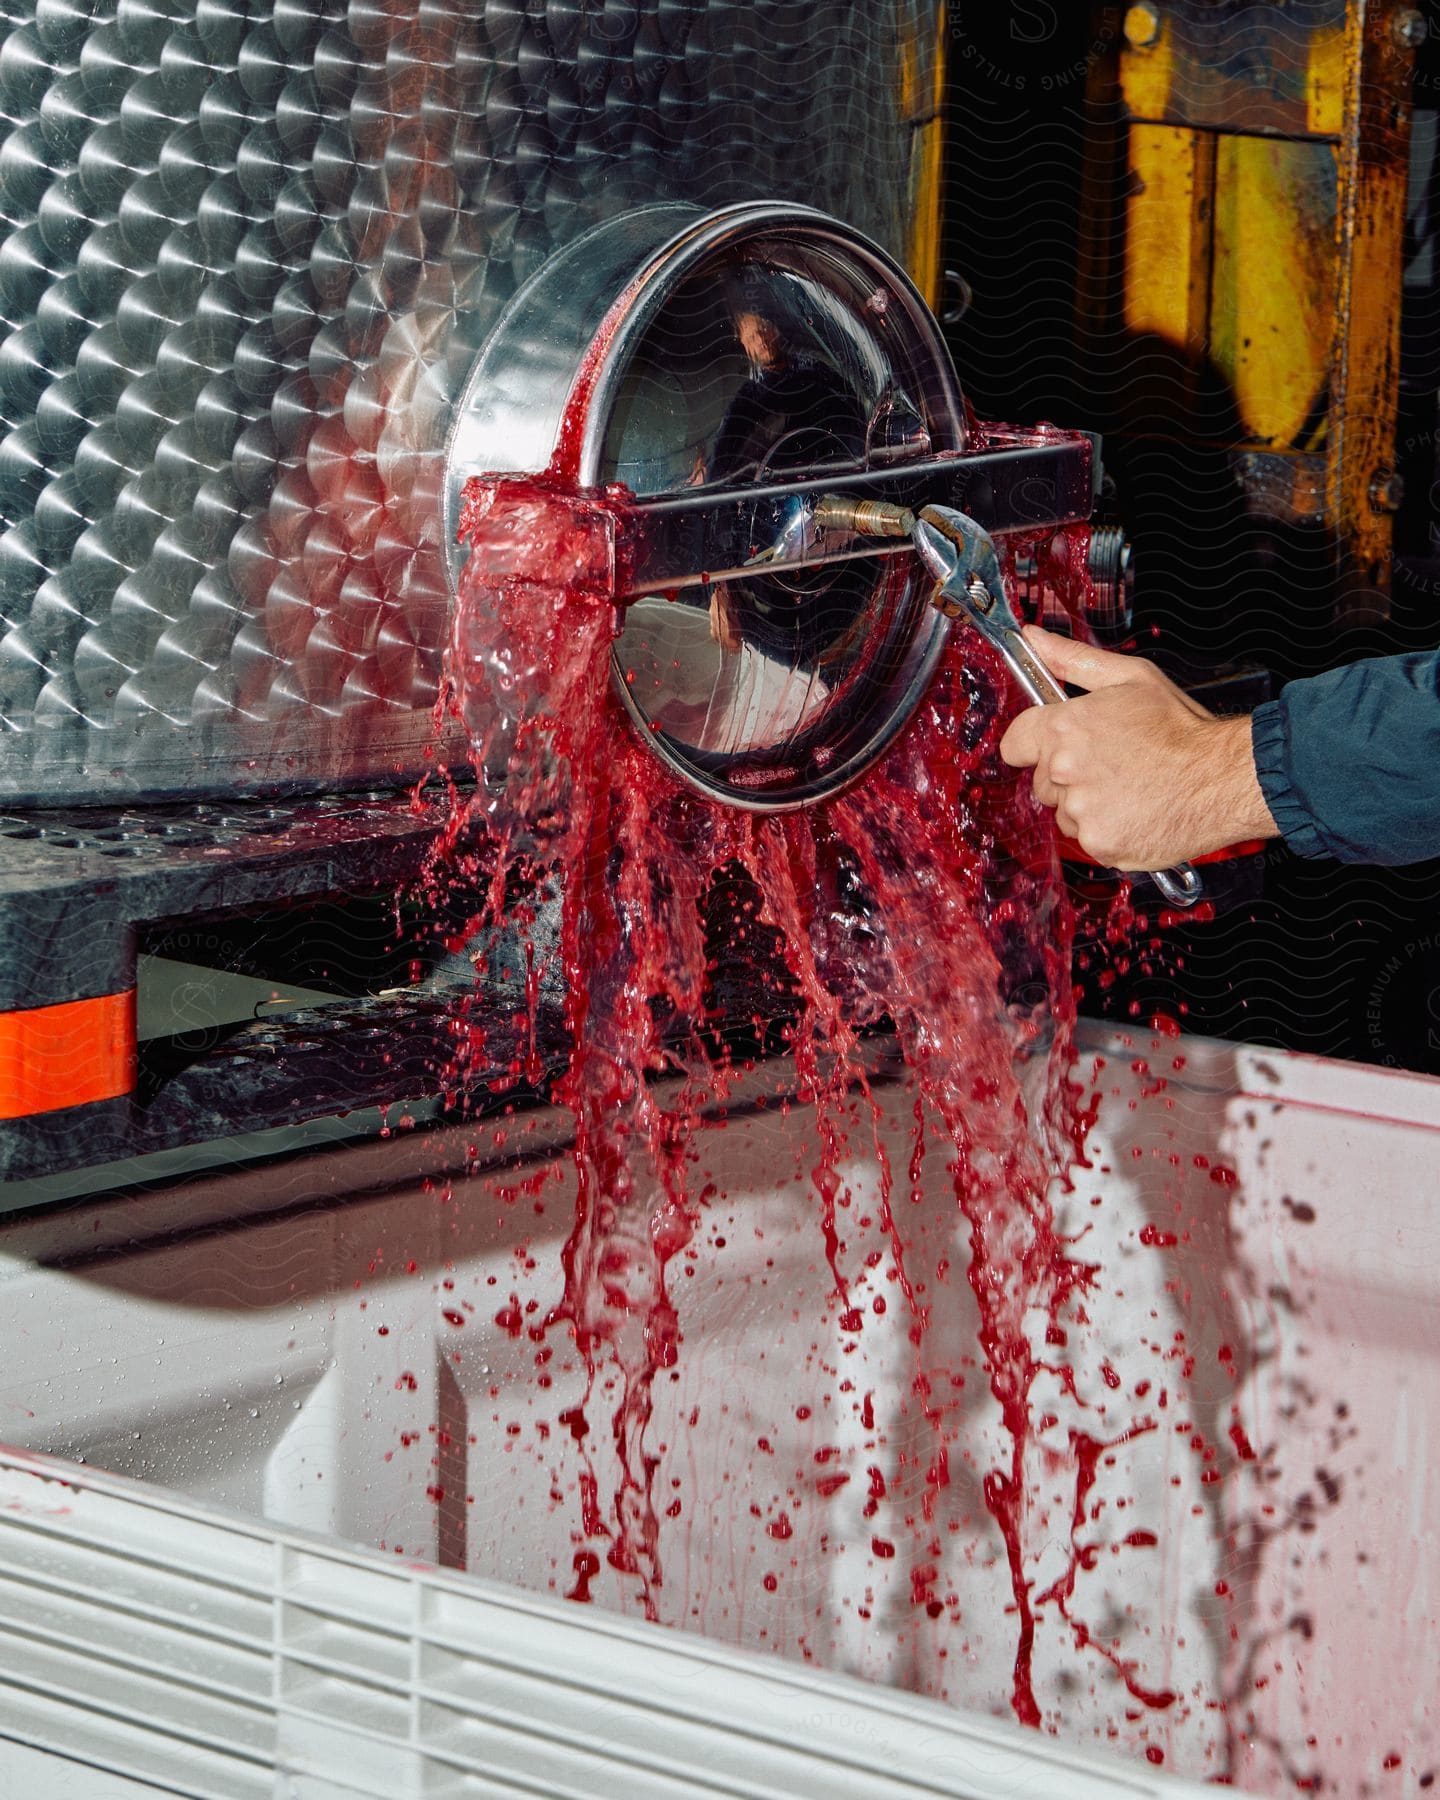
{"x":68,"y":1055}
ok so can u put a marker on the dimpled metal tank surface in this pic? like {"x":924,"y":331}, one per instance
{"x":251,"y":256}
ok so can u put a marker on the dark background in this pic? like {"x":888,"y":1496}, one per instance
{"x":1313,"y":956}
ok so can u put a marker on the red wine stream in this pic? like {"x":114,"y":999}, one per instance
{"x":925,"y":896}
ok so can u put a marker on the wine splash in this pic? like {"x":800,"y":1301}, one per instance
{"x":926,"y":899}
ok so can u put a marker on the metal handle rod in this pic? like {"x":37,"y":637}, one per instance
{"x":720,"y":533}
{"x":1031,"y":674}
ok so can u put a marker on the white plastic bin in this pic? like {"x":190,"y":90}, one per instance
{"x":280,"y":1346}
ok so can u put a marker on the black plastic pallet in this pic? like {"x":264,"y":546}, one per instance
{"x":80,"y":889}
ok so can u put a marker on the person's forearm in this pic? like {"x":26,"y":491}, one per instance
{"x":1349,"y":762}
{"x":1141,"y":776}
{"x":1224,"y":803}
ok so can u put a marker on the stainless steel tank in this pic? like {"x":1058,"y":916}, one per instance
{"x":252,"y":255}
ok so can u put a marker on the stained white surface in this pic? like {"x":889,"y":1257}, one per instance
{"x":275,"y":1342}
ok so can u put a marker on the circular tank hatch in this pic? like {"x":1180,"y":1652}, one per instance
{"x":730,"y":369}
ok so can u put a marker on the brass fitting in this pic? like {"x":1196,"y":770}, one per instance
{"x":866,"y":518}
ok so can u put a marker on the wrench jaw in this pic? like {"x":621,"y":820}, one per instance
{"x":946,"y":556}
{"x":942,"y":550}
{"x":961,"y":555}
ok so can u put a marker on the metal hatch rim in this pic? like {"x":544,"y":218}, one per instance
{"x":622,"y":331}
{"x":590,"y":396}
{"x":636,"y":307}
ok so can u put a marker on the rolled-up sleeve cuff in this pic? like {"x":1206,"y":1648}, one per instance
{"x":1270,"y":742}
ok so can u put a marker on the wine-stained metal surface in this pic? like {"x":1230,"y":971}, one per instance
{"x":248,"y":265}
{"x":716,"y":366}
{"x":737,"y":381}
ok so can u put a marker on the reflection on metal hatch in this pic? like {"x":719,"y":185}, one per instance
{"x":770,"y":362}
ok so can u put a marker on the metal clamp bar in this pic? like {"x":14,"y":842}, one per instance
{"x":700,"y":535}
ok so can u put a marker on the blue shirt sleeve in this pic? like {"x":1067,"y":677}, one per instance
{"x":1349,"y":762}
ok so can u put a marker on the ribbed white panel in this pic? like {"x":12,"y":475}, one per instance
{"x":148,"y":1639}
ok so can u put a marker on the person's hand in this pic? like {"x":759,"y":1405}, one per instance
{"x":1139,"y":774}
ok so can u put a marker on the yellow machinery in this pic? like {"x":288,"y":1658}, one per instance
{"x":1258,"y":186}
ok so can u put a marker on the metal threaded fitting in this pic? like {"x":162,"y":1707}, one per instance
{"x":866,"y":518}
